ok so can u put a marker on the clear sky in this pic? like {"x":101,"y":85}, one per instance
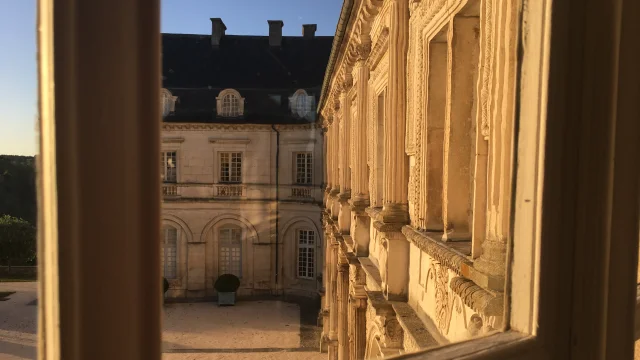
{"x":18,"y":68}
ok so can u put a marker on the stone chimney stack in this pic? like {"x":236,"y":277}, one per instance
{"x":217,"y":31}
{"x":309,"y":30}
{"x":275,"y":32}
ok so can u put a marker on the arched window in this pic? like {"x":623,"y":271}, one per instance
{"x":302,"y":105}
{"x":167,"y":102}
{"x":230,"y":104}
{"x":306,"y":253}
{"x":230,"y":250}
{"x":169,"y":252}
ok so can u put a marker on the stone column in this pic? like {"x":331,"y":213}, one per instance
{"x":360,"y":221}
{"x":327,"y":162}
{"x":333,"y":309}
{"x":360,"y":190}
{"x":335,"y":149}
{"x":498,"y":128}
{"x":357,"y":311}
{"x":396,"y":162}
{"x":343,"y":307}
{"x":344,"y":217}
{"x":358,"y":321}
{"x":395,"y":210}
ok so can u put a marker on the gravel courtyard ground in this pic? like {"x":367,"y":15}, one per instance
{"x":250,"y":330}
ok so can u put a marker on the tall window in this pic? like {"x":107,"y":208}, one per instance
{"x":230,"y":262}
{"x":168,"y":166}
{"x":304,"y":163}
{"x":231,"y":167}
{"x":169,"y":252}
{"x":306,"y":254}
{"x":229,"y":103}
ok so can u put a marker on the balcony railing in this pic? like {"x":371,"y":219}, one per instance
{"x":301,"y":192}
{"x":169,"y":190}
{"x":229,"y":190}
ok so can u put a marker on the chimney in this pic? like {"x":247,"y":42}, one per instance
{"x":309,"y":30}
{"x":217,"y":31}
{"x":275,"y":32}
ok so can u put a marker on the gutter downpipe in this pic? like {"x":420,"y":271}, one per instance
{"x":277,"y":201}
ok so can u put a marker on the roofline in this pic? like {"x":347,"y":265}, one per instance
{"x":254,"y":36}
{"x":345,"y":15}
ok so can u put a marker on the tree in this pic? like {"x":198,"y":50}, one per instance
{"x":18,"y":187}
{"x":17,"y":241}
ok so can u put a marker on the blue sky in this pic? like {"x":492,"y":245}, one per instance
{"x":18,"y":67}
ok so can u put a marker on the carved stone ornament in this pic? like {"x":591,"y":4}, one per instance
{"x":442,"y":295}
{"x":363,"y":50}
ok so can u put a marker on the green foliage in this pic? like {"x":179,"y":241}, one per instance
{"x":18,"y":187}
{"x":227,"y":283}
{"x":17,"y":242}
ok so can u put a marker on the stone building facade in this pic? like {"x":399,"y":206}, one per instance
{"x":417,"y":109}
{"x":242,"y":161}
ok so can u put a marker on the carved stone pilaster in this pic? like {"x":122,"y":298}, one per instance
{"x":343,"y":307}
{"x":358,"y":326}
{"x":396,"y":162}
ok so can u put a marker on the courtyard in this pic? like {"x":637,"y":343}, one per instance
{"x":249,"y":330}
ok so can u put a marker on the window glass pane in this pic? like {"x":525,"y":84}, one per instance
{"x":170,"y":252}
{"x":306,"y":254}
{"x":230,"y":247}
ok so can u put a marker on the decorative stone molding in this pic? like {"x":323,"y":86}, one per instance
{"x":477,"y":298}
{"x":379,"y":49}
{"x":437,"y":250}
{"x":229,"y":141}
{"x":168,"y":126}
{"x":172,"y":140}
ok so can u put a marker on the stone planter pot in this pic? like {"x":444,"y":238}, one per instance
{"x":226,"y":298}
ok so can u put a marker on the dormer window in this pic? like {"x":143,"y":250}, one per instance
{"x":302,"y":105}
{"x":167,"y":103}
{"x":229,"y":103}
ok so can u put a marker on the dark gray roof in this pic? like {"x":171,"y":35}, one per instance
{"x":196,"y":72}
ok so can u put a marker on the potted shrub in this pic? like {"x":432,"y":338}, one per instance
{"x":226,"y":285}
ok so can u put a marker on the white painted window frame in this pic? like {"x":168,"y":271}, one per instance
{"x":311,"y":247}
{"x":165,"y":240}
{"x":572,"y":278}
{"x":308,"y":170}
{"x":231,"y":155}
{"x":232,"y":227}
{"x":220,"y":106}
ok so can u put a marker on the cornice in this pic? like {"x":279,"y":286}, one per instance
{"x":172,"y":139}
{"x":229,"y":141}
{"x":236,"y":127}
{"x":379,"y":49}
{"x":352,"y":30}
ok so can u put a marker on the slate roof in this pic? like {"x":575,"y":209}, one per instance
{"x":196,"y":72}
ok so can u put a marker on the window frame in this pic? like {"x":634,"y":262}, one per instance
{"x":220,"y":164}
{"x":307,"y":246}
{"x":165,"y":230}
{"x":307,"y":103}
{"x":308,"y":171}
{"x":164,"y":167}
{"x":241,"y":235}
{"x":567,"y":229}
{"x":233,"y":94}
